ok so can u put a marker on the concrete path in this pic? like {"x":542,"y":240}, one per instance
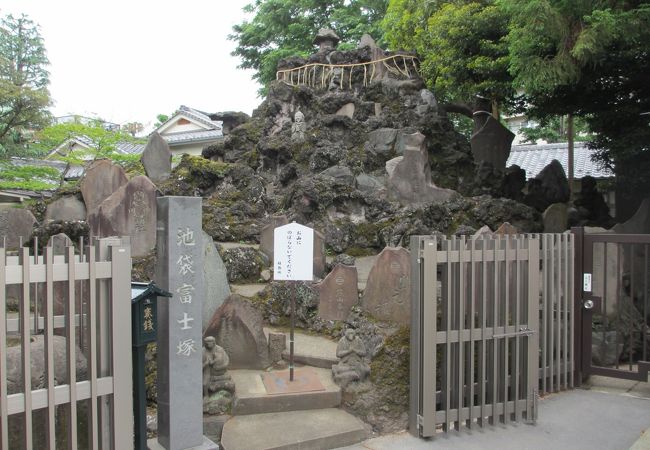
{"x":600,"y":418}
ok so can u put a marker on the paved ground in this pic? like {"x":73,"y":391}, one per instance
{"x":608,"y":415}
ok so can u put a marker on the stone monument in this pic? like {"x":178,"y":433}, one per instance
{"x":102,"y":178}
{"x":409,"y":176}
{"x":129,"y":211}
{"x":179,"y":271}
{"x":298,"y":127}
{"x":388,"y":292}
{"x":338,"y":293}
{"x":352,"y":366}
{"x":157,"y":158}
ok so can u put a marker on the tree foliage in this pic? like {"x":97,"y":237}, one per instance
{"x":283,"y":28}
{"x":554,"y":129}
{"x":461,"y":44}
{"x":103,"y":143}
{"x":590,"y":59}
{"x":24,"y":96}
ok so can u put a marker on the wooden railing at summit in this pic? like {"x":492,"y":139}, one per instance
{"x":320,"y":75}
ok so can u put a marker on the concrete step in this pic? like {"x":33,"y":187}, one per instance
{"x":315,"y":351}
{"x":294,"y":430}
{"x":252,"y":397}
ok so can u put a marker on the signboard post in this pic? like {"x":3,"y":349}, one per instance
{"x":293,"y":260}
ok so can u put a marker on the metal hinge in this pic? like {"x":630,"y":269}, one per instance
{"x":420,"y":421}
{"x":523,"y":331}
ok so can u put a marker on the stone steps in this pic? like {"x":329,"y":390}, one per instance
{"x":251,"y":396}
{"x":294,"y":430}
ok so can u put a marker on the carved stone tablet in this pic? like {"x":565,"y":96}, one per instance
{"x":102,"y":179}
{"x":131,"y":211}
{"x":388,"y":292}
{"x":338,"y":293}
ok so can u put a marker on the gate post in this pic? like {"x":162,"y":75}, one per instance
{"x":415,"y":353}
{"x":579,"y":233}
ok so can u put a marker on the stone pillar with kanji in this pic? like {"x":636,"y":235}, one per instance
{"x":179,"y":270}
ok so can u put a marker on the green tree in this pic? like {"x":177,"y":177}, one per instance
{"x":102,"y":142}
{"x":160,"y":119}
{"x":24,"y":96}
{"x":462,"y":47}
{"x":555,"y":129}
{"x":590,"y":59}
{"x":283,"y":28}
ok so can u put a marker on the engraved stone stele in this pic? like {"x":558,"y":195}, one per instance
{"x":102,"y":178}
{"x":410,"y":180}
{"x":388,"y":292}
{"x":556,"y":218}
{"x":492,"y":143}
{"x":352,"y":365}
{"x":338,"y":293}
{"x":506,"y":229}
{"x":216,"y":280}
{"x":157,"y":158}
{"x":130,"y":211}
{"x":237,"y":327}
{"x":266,"y":235}
{"x":179,"y":359}
{"x":14,"y":224}
{"x":66,"y":208}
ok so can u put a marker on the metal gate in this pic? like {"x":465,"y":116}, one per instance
{"x":474,"y":332}
{"x":612,"y":295}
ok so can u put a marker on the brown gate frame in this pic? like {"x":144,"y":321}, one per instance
{"x":584,"y":259}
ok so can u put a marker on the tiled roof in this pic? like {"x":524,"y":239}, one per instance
{"x":202,"y":117}
{"x":71,"y":173}
{"x":125,"y":148}
{"x":192,"y":136}
{"x":129,"y":148}
{"x":533,"y":158}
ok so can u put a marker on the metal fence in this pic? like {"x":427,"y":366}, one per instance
{"x":65,"y":347}
{"x":492,"y":326}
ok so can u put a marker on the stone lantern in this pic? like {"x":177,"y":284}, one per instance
{"x":326,"y":39}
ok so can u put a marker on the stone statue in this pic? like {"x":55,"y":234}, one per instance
{"x":215,"y":363}
{"x":299,"y":127}
{"x":351,"y":366}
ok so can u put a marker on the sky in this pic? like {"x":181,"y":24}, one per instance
{"x":128,"y":61}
